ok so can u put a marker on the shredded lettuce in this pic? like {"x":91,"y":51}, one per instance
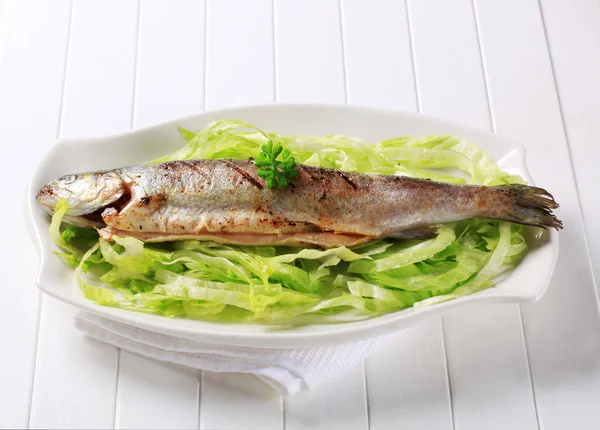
{"x":210,"y":281}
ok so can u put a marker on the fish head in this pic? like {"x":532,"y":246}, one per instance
{"x":85,"y":193}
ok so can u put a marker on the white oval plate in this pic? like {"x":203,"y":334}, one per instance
{"x":526,"y":283}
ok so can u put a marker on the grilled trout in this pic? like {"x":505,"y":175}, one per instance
{"x":227,"y":202}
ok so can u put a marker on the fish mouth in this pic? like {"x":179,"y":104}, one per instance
{"x":95,"y":219}
{"x":92,"y":219}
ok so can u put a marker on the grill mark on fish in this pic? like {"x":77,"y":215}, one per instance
{"x":302,"y":169}
{"x":347,"y":179}
{"x":194,"y":167}
{"x":156,"y":199}
{"x":244,"y":174}
{"x":325,"y":183}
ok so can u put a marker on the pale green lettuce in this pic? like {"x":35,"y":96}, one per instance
{"x":210,"y":281}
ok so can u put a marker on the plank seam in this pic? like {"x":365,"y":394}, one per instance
{"x":346,"y":100}
{"x":448,"y":375}
{"x":282,"y":404}
{"x":201,"y":372}
{"x":418,"y":102}
{"x":368,"y":397}
{"x":136,"y":65}
{"x":493,"y":127}
{"x":199,"y":399}
{"x":40,"y":294}
{"x":116,"y":391}
{"x":483,"y":69}
{"x":528,"y":363}
{"x":568,"y":143}
{"x":344,"y":65}
{"x":131,"y":125}
{"x":412,"y":56}
{"x":276,"y":95}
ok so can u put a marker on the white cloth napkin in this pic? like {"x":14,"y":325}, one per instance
{"x":288,"y":371}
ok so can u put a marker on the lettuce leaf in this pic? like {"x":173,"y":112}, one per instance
{"x":210,"y":281}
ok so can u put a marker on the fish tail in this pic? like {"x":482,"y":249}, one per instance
{"x":530,"y":206}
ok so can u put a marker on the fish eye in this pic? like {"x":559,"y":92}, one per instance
{"x":68,"y":179}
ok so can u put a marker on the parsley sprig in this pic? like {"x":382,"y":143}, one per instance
{"x":277,"y":173}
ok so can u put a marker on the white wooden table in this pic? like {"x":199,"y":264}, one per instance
{"x":526,"y":69}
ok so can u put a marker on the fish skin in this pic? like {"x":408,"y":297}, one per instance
{"x":224,"y":199}
{"x":84,"y":192}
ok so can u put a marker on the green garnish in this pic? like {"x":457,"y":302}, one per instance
{"x":277,"y":173}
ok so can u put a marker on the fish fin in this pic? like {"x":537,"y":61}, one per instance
{"x":531,"y":206}
{"x":418,"y":233}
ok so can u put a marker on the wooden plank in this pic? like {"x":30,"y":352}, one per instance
{"x":488,"y":366}
{"x":448,"y":69}
{"x":407,"y":379}
{"x":155,"y":395}
{"x":239,"y":70}
{"x":309,"y":68}
{"x":337,"y":403}
{"x":308,"y":51}
{"x":170,"y":71}
{"x":31,"y":69}
{"x":101,"y":69}
{"x":486,"y":352}
{"x":169,"y":83}
{"x":75,"y":377}
{"x":239,"y":58}
{"x":239,"y":401}
{"x":573,"y":31}
{"x":561,"y":330}
{"x":378,"y":54}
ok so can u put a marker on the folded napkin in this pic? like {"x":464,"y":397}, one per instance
{"x":288,"y":371}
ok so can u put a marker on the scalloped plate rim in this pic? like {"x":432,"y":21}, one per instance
{"x":221,"y":333}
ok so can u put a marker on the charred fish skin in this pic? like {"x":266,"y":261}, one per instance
{"x":181,"y":199}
